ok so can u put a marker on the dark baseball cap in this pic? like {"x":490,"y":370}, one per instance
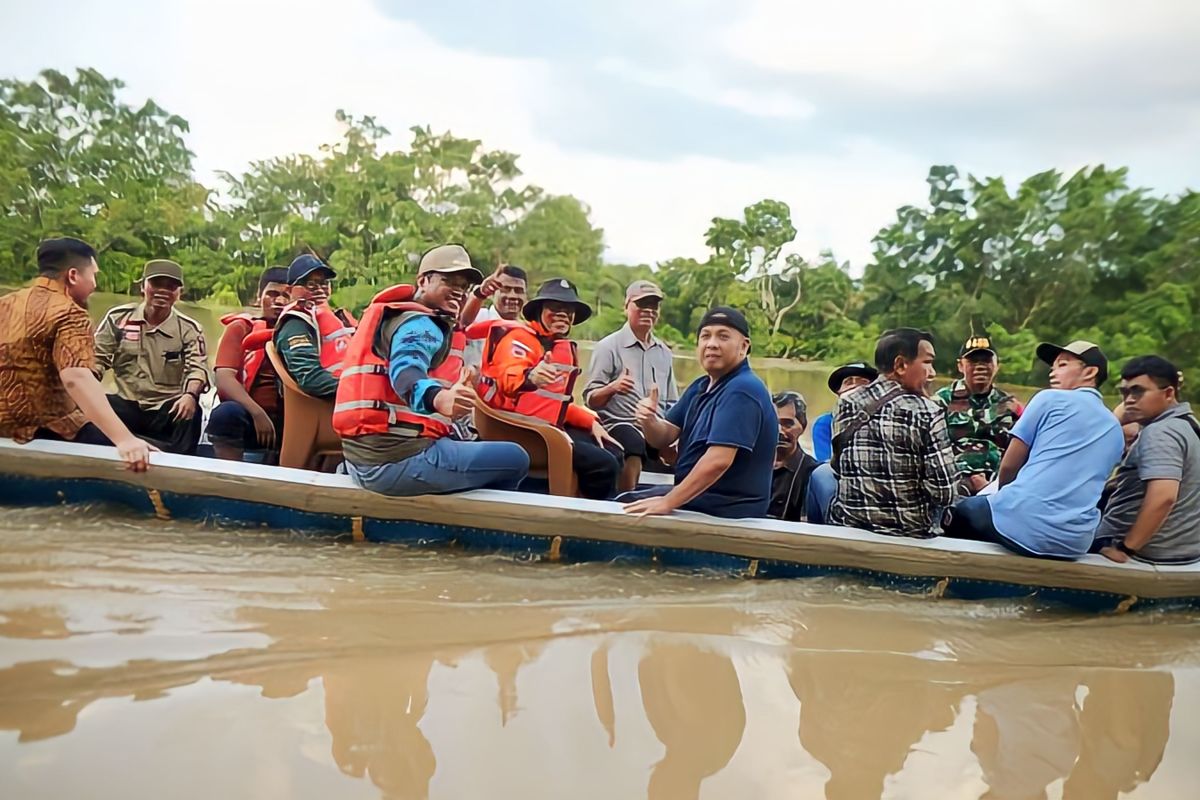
{"x":977,"y":344}
{"x":1087,"y":352}
{"x":727,"y":316}
{"x":162,"y":268}
{"x":840,"y":374}
{"x":305,"y":265}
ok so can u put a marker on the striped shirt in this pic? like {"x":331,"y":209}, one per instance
{"x":899,"y":469}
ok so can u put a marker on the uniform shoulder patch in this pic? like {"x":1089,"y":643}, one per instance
{"x":299,"y":341}
{"x":188,"y":320}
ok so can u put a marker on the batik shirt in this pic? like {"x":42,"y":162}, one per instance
{"x":979,"y":426}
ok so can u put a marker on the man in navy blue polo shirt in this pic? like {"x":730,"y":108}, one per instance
{"x":726,"y":427}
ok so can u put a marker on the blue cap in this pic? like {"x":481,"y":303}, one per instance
{"x":305,"y":265}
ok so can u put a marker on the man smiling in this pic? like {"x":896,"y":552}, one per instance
{"x":726,"y":427}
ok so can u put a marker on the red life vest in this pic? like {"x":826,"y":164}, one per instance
{"x":548,"y":402}
{"x":332,"y":334}
{"x":366,"y":402}
{"x":254,"y":346}
{"x":449,"y":370}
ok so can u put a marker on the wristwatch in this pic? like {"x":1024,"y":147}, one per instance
{"x":1126,"y":549}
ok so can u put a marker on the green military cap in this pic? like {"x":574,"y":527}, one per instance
{"x":162,"y":268}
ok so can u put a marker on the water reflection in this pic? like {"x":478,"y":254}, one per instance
{"x":441,"y":676}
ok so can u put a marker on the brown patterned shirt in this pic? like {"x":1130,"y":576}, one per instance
{"x":42,"y":331}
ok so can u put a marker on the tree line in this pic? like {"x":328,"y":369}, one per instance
{"x":1056,"y":258}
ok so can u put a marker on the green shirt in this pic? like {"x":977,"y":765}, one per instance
{"x":979,"y":426}
{"x":301,"y":353}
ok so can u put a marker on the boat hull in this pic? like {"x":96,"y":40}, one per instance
{"x":572,"y":530}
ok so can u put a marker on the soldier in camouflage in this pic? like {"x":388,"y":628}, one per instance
{"x":978,"y":414}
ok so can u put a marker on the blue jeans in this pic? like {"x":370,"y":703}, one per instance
{"x":446,"y":466}
{"x":822,"y":486}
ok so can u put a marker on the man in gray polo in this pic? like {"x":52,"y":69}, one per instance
{"x":626,"y":366}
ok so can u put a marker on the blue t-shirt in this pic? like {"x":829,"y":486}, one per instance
{"x":736,"y":412}
{"x":822,"y":436}
{"x":1074,"y":443}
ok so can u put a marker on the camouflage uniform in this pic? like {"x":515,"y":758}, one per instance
{"x":979,"y":426}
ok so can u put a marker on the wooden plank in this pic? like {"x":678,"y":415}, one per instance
{"x":540,"y":515}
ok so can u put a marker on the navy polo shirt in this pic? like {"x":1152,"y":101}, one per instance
{"x":736,"y":412}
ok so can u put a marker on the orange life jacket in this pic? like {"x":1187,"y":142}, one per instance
{"x":449,"y":370}
{"x":254,"y":346}
{"x":549,"y":402}
{"x":332,"y":333}
{"x":366,"y":402}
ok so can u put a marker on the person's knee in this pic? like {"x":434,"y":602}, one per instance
{"x":228,"y":419}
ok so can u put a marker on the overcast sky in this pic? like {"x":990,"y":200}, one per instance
{"x":661,"y":114}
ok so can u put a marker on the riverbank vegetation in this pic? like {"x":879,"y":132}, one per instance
{"x":1055,"y":257}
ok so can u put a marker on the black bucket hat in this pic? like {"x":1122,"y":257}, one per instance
{"x":559,"y":290}
{"x":840,"y":374}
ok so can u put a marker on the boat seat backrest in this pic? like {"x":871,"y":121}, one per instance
{"x":308,"y":437}
{"x":549,"y":448}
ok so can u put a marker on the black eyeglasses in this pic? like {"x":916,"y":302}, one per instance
{"x":647,"y":303}
{"x":317,"y":285}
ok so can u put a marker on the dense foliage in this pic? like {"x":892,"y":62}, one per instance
{"x":1059,"y":258}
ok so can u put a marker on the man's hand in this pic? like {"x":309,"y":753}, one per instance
{"x":623,"y":384}
{"x":647,"y":408}
{"x":491,"y":283}
{"x":184,"y":408}
{"x":458,"y":400}
{"x":602,"y":436}
{"x":543,"y":374}
{"x":649,"y":507}
{"x":976,"y":482}
{"x":264,"y":429}
{"x":135,"y":453}
{"x":1113,"y":554}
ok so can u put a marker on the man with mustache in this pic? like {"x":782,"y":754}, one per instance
{"x":892,"y":458}
{"x":396,"y":404}
{"x":625,"y":367}
{"x":250,"y":415}
{"x":1051,"y":476}
{"x":979,"y":415}
{"x":793,"y":466}
{"x":159,"y":360}
{"x":47,"y":353}
{"x":310,"y":336}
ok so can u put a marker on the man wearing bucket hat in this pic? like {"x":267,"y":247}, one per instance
{"x":397,"y":408}
{"x":532,"y":368}
{"x":624,"y":367}
{"x":726,"y":427}
{"x":842,"y":380}
{"x":1063,"y":449}
{"x":159,"y":362}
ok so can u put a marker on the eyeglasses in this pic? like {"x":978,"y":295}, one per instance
{"x":317,"y":285}
{"x":456,"y":282}
{"x":647,"y":303}
{"x":561,"y":308}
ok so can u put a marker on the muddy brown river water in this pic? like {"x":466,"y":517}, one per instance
{"x":143,"y":659}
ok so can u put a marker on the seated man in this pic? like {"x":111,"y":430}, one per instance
{"x":793,"y":466}
{"x":725,"y":425}
{"x":530,"y":369}
{"x":1154,"y":511}
{"x":250,"y":415}
{"x":1051,"y":476}
{"x":394,"y":417}
{"x":979,"y":416}
{"x":47,"y":354}
{"x":892,"y":458}
{"x":159,"y":361}
{"x":842,"y":380}
{"x":310,"y":336}
{"x":625,"y":365}
{"x":508,"y":288}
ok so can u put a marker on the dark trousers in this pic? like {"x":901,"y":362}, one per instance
{"x":231,"y":424}
{"x":634,"y":442}
{"x":596,"y":467}
{"x":88,"y":434}
{"x":157,"y":426}
{"x":971,"y":518}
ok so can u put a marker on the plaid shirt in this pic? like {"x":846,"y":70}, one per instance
{"x":899,"y":468}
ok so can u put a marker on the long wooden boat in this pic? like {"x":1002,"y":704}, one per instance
{"x":561,"y":529}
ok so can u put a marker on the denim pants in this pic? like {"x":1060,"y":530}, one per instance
{"x":446,"y":466}
{"x":822,"y":486}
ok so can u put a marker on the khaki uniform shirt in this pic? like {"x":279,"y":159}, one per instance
{"x":42,"y":331}
{"x":151,"y":365}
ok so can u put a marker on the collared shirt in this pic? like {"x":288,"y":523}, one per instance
{"x":979,"y":425}
{"x":789,"y":485}
{"x":898,"y":469}
{"x":42,"y":331}
{"x":737,"y":412}
{"x":151,"y":364}
{"x":1168,"y":448}
{"x":649,"y":364}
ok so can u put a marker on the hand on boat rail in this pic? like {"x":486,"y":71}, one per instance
{"x":135,"y":453}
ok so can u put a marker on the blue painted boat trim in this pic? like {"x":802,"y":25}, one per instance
{"x":20,"y":490}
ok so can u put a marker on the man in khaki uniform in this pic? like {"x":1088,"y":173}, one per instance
{"x":158,"y":358}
